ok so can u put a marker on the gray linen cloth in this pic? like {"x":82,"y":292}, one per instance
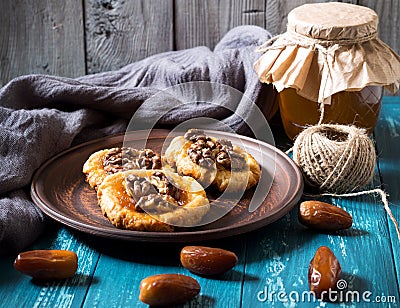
{"x":42,"y":115}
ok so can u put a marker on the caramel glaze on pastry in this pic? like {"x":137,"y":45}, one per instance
{"x":213,"y":161}
{"x":110,"y":161}
{"x":148,"y":200}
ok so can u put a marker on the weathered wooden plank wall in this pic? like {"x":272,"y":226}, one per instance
{"x":43,"y":37}
{"x":389,"y":20}
{"x":72,"y":38}
{"x":202,"y":22}
{"x":121,"y":32}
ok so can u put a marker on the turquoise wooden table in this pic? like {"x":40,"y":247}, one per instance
{"x":273,"y":261}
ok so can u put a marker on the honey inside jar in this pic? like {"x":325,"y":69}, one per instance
{"x":359,"y":108}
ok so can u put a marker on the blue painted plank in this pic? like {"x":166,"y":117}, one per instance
{"x":274,"y":259}
{"x":121,"y":268}
{"x":277,"y":257}
{"x":387,"y":134}
{"x":18,"y":290}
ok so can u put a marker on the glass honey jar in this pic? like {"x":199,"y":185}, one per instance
{"x":329,"y":67}
{"x":360,"y":108}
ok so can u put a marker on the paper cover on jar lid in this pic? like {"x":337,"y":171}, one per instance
{"x":333,"y":45}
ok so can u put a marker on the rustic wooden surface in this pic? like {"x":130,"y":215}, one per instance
{"x":205,"y":22}
{"x":389,"y":20}
{"x":77,"y":37}
{"x":273,"y":261}
{"x":387,"y":135}
{"x":121,"y":32}
{"x":45,"y":37}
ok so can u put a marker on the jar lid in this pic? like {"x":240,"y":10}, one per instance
{"x":333,"y":22}
{"x":328,"y":48}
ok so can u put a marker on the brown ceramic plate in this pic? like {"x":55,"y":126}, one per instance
{"x":59,"y":190}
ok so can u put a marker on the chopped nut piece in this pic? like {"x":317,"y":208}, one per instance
{"x":155,"y":204}
{"x":147,"y":193}
{"x":127,"y":158}
{"x":205,"y":152}
{"x":137,"y":187}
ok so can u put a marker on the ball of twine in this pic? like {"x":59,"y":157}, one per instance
{"x":335,"y":158}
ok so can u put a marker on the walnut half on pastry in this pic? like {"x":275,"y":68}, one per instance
{"x":213,"y":161}
{"x":113,"y":160}
{"x":149,"y":200}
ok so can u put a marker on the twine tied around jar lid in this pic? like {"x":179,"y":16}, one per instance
{"x":329,"y":48}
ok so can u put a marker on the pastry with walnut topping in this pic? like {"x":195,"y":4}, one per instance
{"x":213,"y":161}
{"x":152,"y":200}
{"x":110,"y":161}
